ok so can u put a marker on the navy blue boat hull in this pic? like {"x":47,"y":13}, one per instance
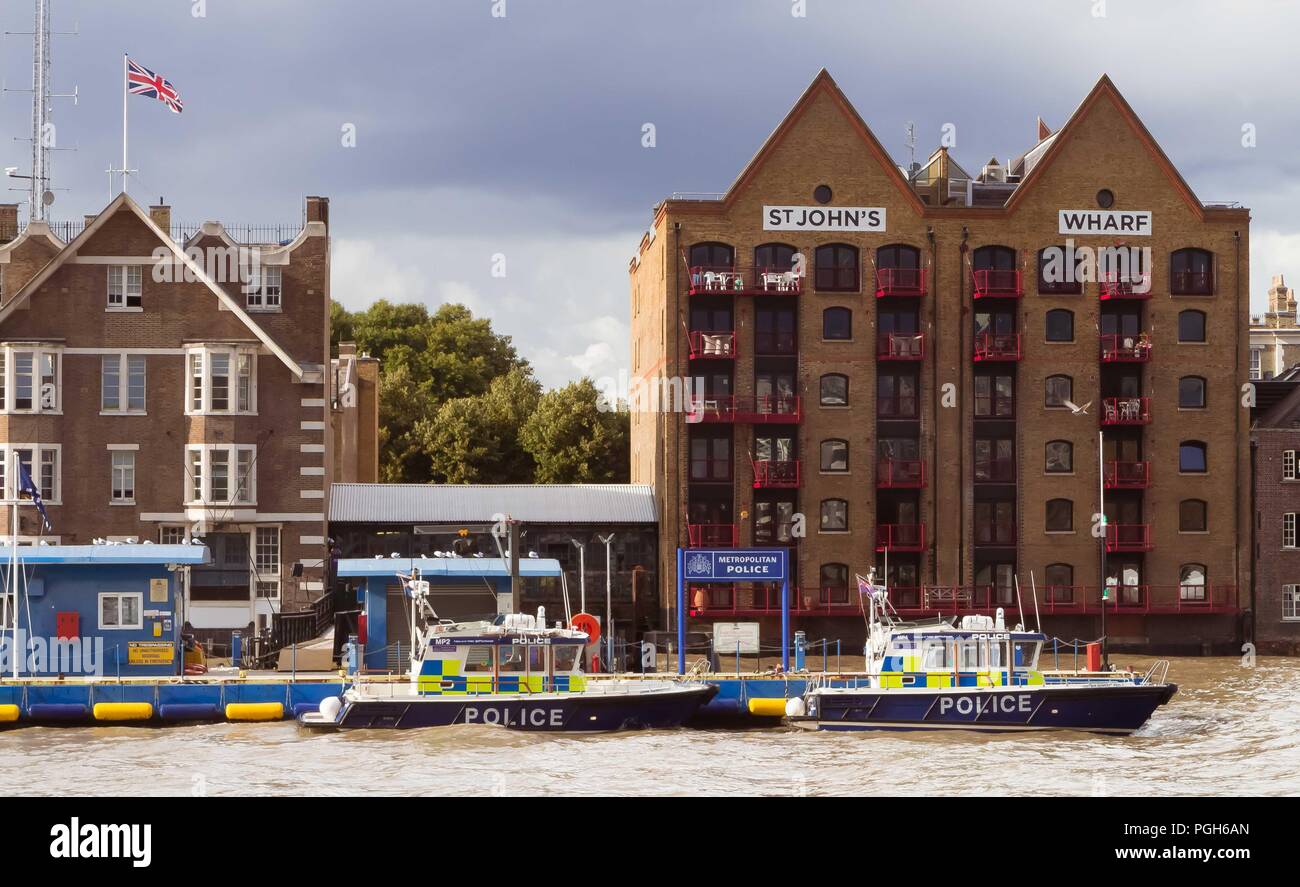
{"x":580,"y":712}
{"x":1118,"y":709}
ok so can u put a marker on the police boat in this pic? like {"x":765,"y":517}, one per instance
{"x":512,"y":671}
{"x":973,"y":675}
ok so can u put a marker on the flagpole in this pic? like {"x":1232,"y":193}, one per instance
{"x":125,"y":75}
{"x":13,"y":558}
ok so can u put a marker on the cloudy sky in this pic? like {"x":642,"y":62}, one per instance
{"x":479,"y":135}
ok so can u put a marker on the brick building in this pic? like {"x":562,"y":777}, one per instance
{"x":158,"y":397}
{"x":1275,"y":444}
{"x":1275,"y":334}
{"x":890,"y":360}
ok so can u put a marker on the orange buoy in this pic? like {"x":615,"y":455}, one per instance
{"x":589,"y":625}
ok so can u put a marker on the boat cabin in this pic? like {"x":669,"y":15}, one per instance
{"x":947,"y":656}
{"x":511,"y":654}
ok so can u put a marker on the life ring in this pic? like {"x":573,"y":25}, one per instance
{"x":588,"y":625}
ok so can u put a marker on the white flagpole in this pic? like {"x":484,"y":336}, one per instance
{"x":125,"y":75}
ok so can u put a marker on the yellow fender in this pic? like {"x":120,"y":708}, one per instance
{"x":254,"y":711}
{"x":123,"y":711}
{"x":771,"y":707}
{"x":9,"y":713}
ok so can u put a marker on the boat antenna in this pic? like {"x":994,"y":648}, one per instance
{"x":1020,"y":604}
{"x":1033,"y":590}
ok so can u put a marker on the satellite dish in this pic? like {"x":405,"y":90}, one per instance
{"x":47,"y":198}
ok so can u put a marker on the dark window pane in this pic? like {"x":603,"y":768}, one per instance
{"x":837,"y":323}
{"x":835,"y":455}
{"x":1191,"y":457}
{"x":1191,"y":392}
{"x":836,"y":268}
{"x":1060,"y":515}
{"x":835,"y":390}
{"x":774,"y":256}
{"x":1060,"y":325}
{"x":1191,"y":326}
{"x":712,"y":255}
{"x":1060,"y":457}
{"x":1192,"y":516}
{"x":1057,"y":390}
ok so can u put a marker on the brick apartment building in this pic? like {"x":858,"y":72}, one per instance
{"x":1275,"y":334}
{"x":1275,"y":445}
{"x":157,"y":407}
{"x":887,"y":354}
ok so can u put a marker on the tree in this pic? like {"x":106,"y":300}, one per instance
{"x":476,"y":439}
{"x":573,"y":440}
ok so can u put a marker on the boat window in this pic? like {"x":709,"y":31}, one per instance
{"x":566,"y":657}
{"x":537,"y":660}
{"x":479,"y":660}
{"x":970,"y":654}
{"x":1027,"y":654}
{"x":937,"y":656}
{"x":995,"y":654}
{"x":512,"y":657}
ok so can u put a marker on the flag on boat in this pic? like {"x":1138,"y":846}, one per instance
{"x":28,"y":490}
{"x":141,"y":81}
{"x":866,"y":589}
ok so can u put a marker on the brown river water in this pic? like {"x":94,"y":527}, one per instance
{"x":1230,"y":730}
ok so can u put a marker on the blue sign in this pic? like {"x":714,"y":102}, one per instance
{"x":735,"y":565}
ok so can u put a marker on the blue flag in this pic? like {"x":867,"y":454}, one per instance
{"x":29,"y":489}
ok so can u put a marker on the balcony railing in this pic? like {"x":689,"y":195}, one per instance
{"x":759,"y":410}
{"x":1128,"y":537}
{"x":997,"y":346}
{"x":900,"y":537}
{"x":1191,"y":283}
{"x":743,"y":281}
{"x":900,"y":282}
{"x":1128,"y":475}
{"x":1126,"y":411}
{"x":900,"y":346}
{"x":713,"y":345}
{"x":997,"y":284}
{"x":900,"y":474}
{"x":1125,"y":349}
{"x":770,"y":474}
{"x":1114,"y":285}
{"x":711,"y":535}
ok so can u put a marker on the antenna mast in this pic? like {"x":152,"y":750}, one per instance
{"x":911,"y":150}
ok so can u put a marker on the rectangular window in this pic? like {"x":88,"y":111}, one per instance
{"x":135,"y":370}
{"x":222,"y":380}
{"x":171,"y":535}
{"x":221,"y":475}
{"x":264,"y":287}
{"x":195,"y":471}
{"x":1291,"y":603}
{"x":4,"y":380}
{"x":24,"y":367}
{"x":1288,"y":465}
{"x":1288,"y":530}
{"x":123,"y":476}
{"x":244,"y":475}
{"x":266,"y":550}
{"x":45,"y":473}
{"x":124,"y":287}
{"x":110,"y":398}
{"x":1256,"y":363}
{"x":219,"y":371}
{"x":196,"y":382}
{"x":120,"y":610}
{"x":244,"y":362}
{"x":219,"y":464}
{"x":122,"y":383}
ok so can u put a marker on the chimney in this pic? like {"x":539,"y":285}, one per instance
{"x":161,"y":214}
{"x":347,"y":349}
{"x":1043,"y":131}
{"x":318,"y":210}
{"x":8,"y":222}
{"x":89,"y":218}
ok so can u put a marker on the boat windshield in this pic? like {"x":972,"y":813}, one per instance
{"x":1027,"y":654}
{"x":566,"y":657}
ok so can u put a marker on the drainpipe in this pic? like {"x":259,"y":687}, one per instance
{"x":1236,"y":437}
{"x":961,"y":403}
{"x":934,"y":405}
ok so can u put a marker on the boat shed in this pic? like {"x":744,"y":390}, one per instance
{"x":459,"y":588}
{"x":104,"y":610}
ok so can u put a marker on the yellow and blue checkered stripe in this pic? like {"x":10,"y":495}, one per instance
{"x":442,"y":677}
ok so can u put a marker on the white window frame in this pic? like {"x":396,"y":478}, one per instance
{"x":266,"y":576}
{"x":113,"y":455}
{"x":8,"y":482}
{"x":1256,"y":363}
{"x":124,"y":407}
{"x":9,"y":378}
{"x":121,"y":596}
{"x":166,"y":528}
{"x":1289,"y":530}
{"x":1288,"y":465}
{"x":125,"y":284}
{"x":1291,"y":603}
{"x":232,"y":453}
{"x":239,"y":402}
{"x":265,"y":289}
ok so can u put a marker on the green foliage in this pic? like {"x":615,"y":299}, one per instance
{"x":573,"y":440}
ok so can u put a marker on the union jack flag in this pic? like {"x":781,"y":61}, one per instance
{"x":141,"y":81}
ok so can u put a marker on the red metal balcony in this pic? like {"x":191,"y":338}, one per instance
{"x":1125,"y":349}
{"x":900,"y":537}
{"x":900,"y":282}
{"x":713,"y":345}
{"x":900,"y":474}
{"x":743,"y":281}
{"x":1128,"y":475}
{"x":997,"y":284}
{"x":1128,"y":537}
{"x":900,"y":346}
{"x":759,"y":410}
{"x":1126,"y":411}
{"x":711,"y":535}
{"x":997,"y":346}
{"x":772,"y":475}
{"x":1114,"y":285}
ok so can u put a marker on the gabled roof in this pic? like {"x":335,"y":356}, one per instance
{"x":124,"y":201}
{"x":824,"y":83}
{"x":1105,"y":91}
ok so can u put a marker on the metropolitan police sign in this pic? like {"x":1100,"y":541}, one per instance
{"x":823,"y":218}
{"x":736,"y":565}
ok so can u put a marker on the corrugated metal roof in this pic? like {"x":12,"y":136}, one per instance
{"x":456,"y":568}
{"x":479,"y":503}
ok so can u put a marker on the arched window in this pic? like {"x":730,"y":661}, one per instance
{"x":1192,"y":516}
{"x":1059,"y":457}
{"x":1191,"y":457}
{"x":1191,"y":272}
{"x":836,"y":268}
{"x":1059,"y":271}
{"x":1060,"y":325}
{"x":1191,"y":393}
{"x":834,"y":515}
{"x":1060,"y":515}
{"x":712,"y":255}
{"x":774,"y":257}
{"x":1060,"y":583}
{"x":835,"y":455}
{"x":837,"y":324}
{"x":1057,"y":390}
{"x":994,"y":258}
{"x":1191,"y":325}
{"x":1191,"y":582}
{"x":834,"y":390}
{"x":834,"y":584}
{"x":898,"y":257}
